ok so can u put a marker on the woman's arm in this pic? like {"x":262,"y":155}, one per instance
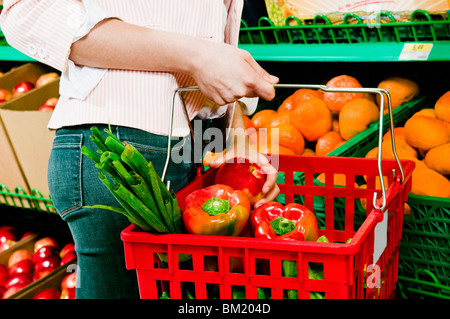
{"x":223,"y":72}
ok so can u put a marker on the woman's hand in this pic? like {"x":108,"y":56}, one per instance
{"x":270,"y":187}
{"x":238,"y":146}
{"x":225,"y":74}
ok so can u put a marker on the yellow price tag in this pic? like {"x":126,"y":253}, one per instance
{"x":416,"y":51}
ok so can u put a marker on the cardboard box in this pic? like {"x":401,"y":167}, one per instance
{"x":25,"y":140}
{"x":279,"y":10}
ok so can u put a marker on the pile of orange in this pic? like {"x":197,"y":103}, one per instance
{"x":311,"y":122}
{"x":424,"y":139}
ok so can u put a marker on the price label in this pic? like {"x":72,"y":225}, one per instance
{"x":415,"y":51}
{"x":380,"y":240}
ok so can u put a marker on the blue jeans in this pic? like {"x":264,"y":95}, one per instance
{"x":74,"y":183}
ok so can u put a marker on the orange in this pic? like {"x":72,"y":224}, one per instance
{"x":356,"y":116}
{"x":300,"y":95}
{"x":312,"y":118}
{"x":275,"y":149}
{"x":210,"y":156}
{"x":327,"y":143}
{"x":338,"y":179}
{"x":442,"y":108}
{"x":336,"y":100}
{"x":424,"y":132}
{"x":398,"y":132}
{"x":407,"y":211}
{"x":401,"y":90}
{"x":281,"y":118}
{"x":373,"y":153}
{"x":248,"y":122}
{"x":288,"y":104}
{"x":426,"y":112}
{"x":438,"y":159}
{"x":308,"y":152}
{"x":403,"y":149}
{"x":335,"y":123}
{"x":428,"y":182}
{"x":262,"y":118}
{"x":258,"y":137}
{"x":286,"y":135}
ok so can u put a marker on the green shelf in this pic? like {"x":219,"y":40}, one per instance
{"x":359,"y":52}
{"x":422,"y":39}
{"x":19,"y":198}
{"x":8,"y":53}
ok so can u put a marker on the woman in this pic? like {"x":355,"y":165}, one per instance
{"x":120,"y":62}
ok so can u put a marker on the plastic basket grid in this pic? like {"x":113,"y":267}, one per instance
{"x":426,"y":239}
{"x":320,"y":30}
{"x":343,"y":264}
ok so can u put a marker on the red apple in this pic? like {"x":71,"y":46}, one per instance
{"x":18,"y":280}
{"x":41,"y":274}
{"x":52,"y":101}
{"x":68,"y":286}
{"x":46,"y":241}
{"x":6,"y":245}
{"x":67,"y":248}
{"x":2,"y":291}
{"x":18,"y":255}
{"x":46,"y":78}
{"x":11,"y":291}
{"x":22,"y":88}
{"x":3,"y":275}
{"x":44,"y":252}
{"x":241,"y":174}
{"x":45,"y":108}
{"x":26,"y":234}
{"x":49,"y":293}
{"x":50,"y":262}
{"x":7,"y":233}
{"x":5,"y":95}
{"x":71,"y":255}
{"x":24,"y":266}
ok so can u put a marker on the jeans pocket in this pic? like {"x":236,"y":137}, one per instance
{"x":64,"y":173}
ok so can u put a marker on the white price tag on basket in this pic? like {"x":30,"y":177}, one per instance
{"x":380,"y":240}
{"x":415,"y":51}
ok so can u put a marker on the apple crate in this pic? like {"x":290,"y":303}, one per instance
{"x":366,"y":267}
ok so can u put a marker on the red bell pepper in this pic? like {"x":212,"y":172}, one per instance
{"x":216,"y":210}
{"x":272,"y":220}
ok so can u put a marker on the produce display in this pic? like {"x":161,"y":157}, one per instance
{"x":311,"y":122}
{"x":424,"y":139}
{"x":25,"y":266}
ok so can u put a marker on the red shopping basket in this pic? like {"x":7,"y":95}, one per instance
{"x":349,"y":269}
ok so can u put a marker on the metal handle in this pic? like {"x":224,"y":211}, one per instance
{"x":380,"y":92}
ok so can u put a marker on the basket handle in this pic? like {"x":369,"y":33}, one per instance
{"x":381,"y":92}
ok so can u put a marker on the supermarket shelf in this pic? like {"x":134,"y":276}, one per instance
{"x":355,"y":52}
{"x":424,"y":38}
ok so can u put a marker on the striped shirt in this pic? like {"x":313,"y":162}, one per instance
{"x":45,"y":30}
